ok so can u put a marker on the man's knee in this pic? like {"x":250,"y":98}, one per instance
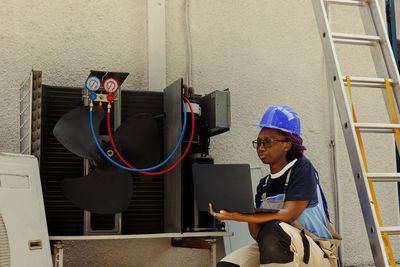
{"x":245,"y":256}
{"x":274,"y":244}
{"x":226,"y":264}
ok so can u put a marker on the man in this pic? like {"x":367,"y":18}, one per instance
{"x":299,"y":233}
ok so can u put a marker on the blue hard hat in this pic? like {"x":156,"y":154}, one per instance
{"x":282,"y":118}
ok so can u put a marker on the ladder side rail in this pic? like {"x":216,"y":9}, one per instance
{"x":364,"y":194}
{"x":385,"y":66}
{"x":385,"y":43}
{"x":372,"y":23}
{"x":388,"y":57}
{"x":390,"y":62}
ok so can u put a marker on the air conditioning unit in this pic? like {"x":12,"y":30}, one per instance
{"x":24,"y":239}
{"x":145,"y":212}
{"x":158,"y":204}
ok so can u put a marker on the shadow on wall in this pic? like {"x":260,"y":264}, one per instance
{"x":135,"y":253}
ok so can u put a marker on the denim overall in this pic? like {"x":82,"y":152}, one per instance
{"x":328,"y":246}
{"x":274,"y":204}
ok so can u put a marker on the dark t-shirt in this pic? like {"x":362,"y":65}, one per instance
{"x":302,"y":184}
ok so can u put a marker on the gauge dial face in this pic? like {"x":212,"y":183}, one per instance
{"x":93,"y":83}
{"x":111,"y":85}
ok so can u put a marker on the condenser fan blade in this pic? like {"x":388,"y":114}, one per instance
{"x":72,"y":130}
{"x":138,"y":140}
{"x":105,"y":191}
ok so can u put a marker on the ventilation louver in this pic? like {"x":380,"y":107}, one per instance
{"x":4,"y":245}
{"x":145,"y":213}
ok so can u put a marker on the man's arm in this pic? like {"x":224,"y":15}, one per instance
{"x":291,"y":211}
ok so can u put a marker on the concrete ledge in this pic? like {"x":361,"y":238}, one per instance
{"x":143,"y":236}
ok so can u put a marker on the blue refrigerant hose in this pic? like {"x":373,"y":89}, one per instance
{"x":138,"y":170}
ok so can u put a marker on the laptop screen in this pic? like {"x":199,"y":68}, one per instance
{"x":226,"y":186}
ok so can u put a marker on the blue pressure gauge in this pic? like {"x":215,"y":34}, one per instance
{"x":93,"y":83}
{"x":92,"y":96}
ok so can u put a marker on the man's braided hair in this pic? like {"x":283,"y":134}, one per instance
{"x":297,"y":146}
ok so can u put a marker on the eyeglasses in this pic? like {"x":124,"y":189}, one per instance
{"x":266,"y":142}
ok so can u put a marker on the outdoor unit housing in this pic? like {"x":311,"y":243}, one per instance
{"x":162,"y":203}
{"x":24,"y":240}
{"x":216,"y":110}
{"x":145,"y":212}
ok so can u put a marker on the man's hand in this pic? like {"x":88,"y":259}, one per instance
{"x":225,"y":215}
{"x":291,"y":211}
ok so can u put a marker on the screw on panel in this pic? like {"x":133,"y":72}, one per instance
{"x":110,"y":153}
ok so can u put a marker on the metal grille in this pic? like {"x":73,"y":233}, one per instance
{"x":25,"y":115}
{"x":5,"y":259}
{"x":29,"y":116}
{"x":144,"y":214}
{"x":57,"y":163}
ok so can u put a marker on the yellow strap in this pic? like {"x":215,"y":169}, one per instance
{"x":394,"y":118}
{"x":360,"y":142}
{"x":385,"y":236}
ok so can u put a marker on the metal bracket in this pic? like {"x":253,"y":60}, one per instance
{"x":58,"y":249}
{"x":199,"y":243}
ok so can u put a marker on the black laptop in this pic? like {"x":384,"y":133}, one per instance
{"x":226,"y":187}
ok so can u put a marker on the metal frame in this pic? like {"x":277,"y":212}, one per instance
{"x":173,"y":179}
{"x":335,"y":79}
{"x":87,"y":227}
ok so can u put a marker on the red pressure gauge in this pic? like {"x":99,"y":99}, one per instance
{"x":110,"y":98}
{"x":111,"y":85}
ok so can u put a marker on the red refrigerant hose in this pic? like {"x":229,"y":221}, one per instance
{"x":153,"y":173}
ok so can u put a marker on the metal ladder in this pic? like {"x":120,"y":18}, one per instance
{"x":377,"y":234}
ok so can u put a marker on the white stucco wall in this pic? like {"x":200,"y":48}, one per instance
{"x":266,"y":52}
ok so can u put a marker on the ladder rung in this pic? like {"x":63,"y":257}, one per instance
{"x":365,"y":85}
{"x":355,"y":37}
{"x":376,"y":127}
{"x":366,"y":80}
{"x":390,"y":230}
{"x":354,"y":42}
{"x":384,"y":177}
{"x":347,"y":2}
